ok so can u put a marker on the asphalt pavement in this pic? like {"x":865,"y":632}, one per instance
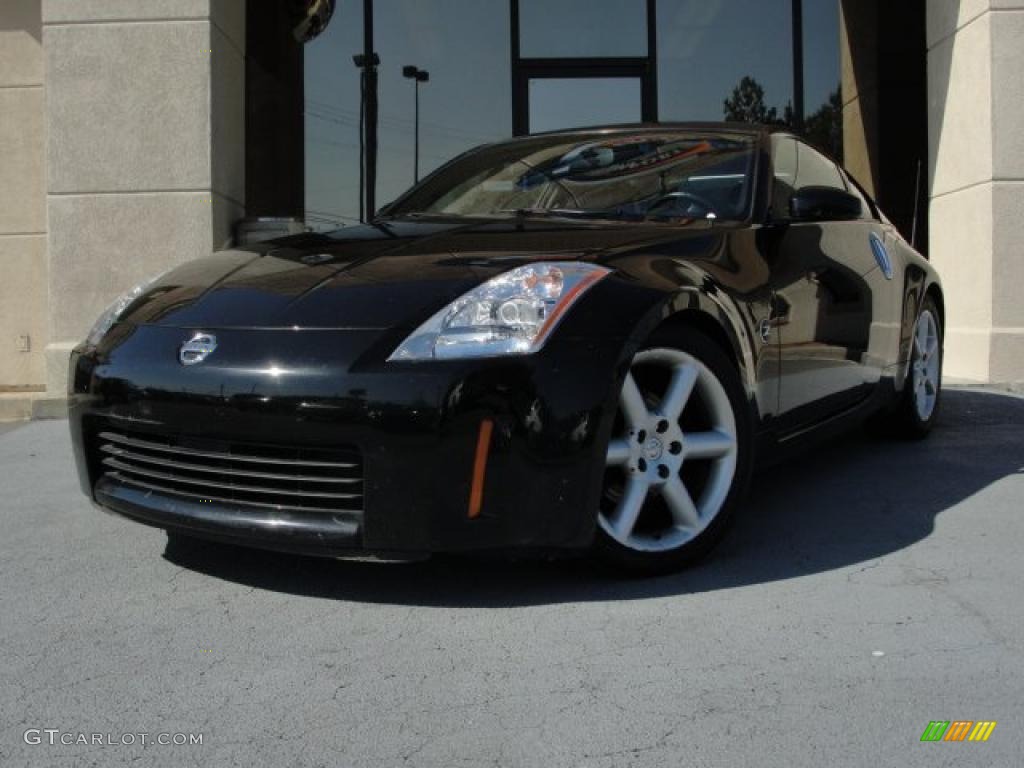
{"x":870,"y":587}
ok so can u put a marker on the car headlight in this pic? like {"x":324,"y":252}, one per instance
{"x":113,"y":312}
{"x":511,"y":314}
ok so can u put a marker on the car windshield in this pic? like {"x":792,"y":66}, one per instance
{"x":640,"y":176}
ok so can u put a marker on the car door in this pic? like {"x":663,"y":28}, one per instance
{"x":822,"y":301}
{"x":882,"y":262}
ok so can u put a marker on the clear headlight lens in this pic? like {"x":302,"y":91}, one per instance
{"x":113,"y":312}
{"x":511,"y":314}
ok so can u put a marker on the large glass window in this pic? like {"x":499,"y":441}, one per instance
{"x":582,"y":28}
{"x":823,"y":122}
{"x":709,"y":48}
{"x":716,"y":59}
{"x":332,"y":120}
{"x":462,"y":44}
{"x":580,"y":101}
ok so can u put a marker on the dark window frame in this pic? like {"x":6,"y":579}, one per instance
{"x":644,"y":68}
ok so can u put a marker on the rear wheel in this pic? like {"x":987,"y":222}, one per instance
{"x":679,"y":457}
{"x":924,"y":380}
{"x":918,"y":406}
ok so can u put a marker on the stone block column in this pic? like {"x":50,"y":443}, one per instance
{"x":145,"y":148}
{"x":23,"y":283}
{"x":976,"y":138}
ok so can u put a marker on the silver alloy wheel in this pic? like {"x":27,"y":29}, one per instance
{"x":925,"y":365}
{"x":653,"y":449}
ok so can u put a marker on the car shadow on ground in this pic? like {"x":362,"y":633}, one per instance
{"x":849,"y":501}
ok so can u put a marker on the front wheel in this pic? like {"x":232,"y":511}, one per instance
{"x":919,"y":407}
{"x":678,"y":461}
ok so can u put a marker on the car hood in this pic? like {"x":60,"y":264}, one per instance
{"x":374,"y":276}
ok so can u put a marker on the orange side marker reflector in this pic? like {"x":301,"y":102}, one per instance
{"x":483,"y":448}
{"x":567,"y":301}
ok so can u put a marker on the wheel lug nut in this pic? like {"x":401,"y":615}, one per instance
{"x":675,"y":448}
{"x":642,"y":465}
{"x":662,"y":427}
{"x":662,"y":471}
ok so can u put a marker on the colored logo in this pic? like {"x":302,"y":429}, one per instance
{"x":881,"y":255}
{"x":958,"y":730}
{"x":197,"y":349}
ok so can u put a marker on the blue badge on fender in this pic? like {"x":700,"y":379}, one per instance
{"x":881,"y":255}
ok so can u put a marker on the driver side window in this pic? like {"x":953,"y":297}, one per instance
{"x":795,"y":166}
{"x":784,"y":165}
{"x":813,"y":169}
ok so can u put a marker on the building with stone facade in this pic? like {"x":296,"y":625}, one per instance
{"x":136,"y":134}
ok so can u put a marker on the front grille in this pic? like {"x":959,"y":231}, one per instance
{"x":238,"y":474}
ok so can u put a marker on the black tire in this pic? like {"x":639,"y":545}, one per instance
{"x":177,"y":541}
{"x":905,"y":421}
{"x":624,"y":559}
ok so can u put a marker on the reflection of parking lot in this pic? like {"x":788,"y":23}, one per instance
{"x":871,"y":587}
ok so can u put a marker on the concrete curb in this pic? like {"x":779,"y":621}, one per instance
{"x":32,"y":407}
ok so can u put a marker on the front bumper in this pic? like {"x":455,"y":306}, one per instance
{"x":415,"y":426}
{"x":290,"y":531}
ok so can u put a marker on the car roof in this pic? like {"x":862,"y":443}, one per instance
{"x":750,"y":129}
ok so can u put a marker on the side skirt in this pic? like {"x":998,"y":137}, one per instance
{"x":774,"y":447}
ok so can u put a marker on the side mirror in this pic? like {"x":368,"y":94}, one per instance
{"x":824,"y":204}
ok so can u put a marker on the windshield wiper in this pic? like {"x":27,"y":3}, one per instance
{"x":571,"y":213}
{"x":544,"y":211}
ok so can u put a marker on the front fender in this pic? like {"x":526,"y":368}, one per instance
{"x":698,"y":299}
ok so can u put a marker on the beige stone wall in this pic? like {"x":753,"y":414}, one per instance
{"x":976,"y":138}
{"x":23,"y":285}
{"x":145,"y":151}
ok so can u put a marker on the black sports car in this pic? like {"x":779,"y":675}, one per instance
{"x":570,"y":340}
